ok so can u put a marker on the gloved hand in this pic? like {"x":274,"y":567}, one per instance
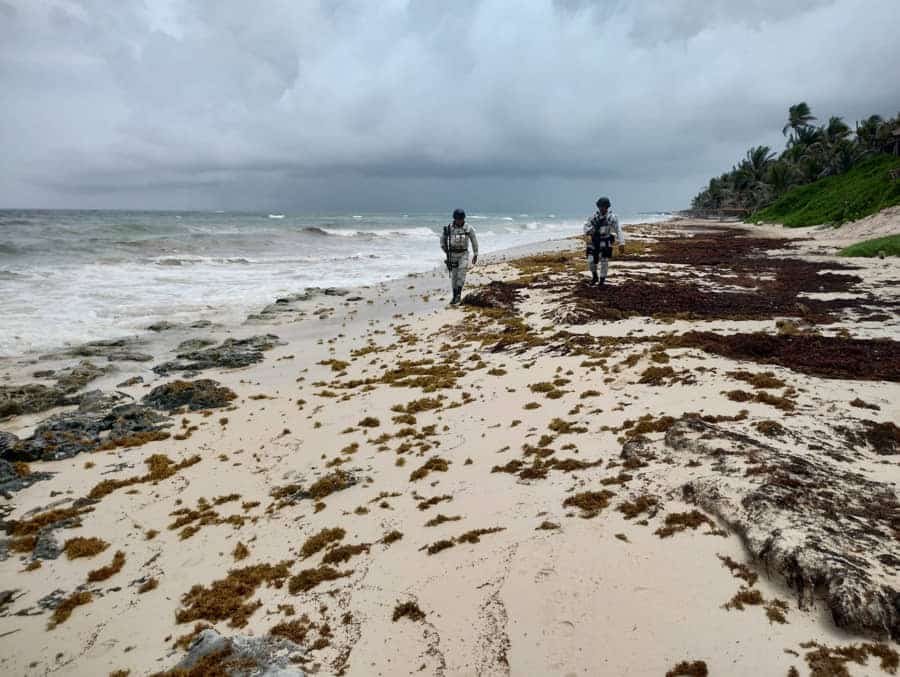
{"x":475,"y":259}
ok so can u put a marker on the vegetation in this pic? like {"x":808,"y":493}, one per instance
{"x":812,"y":153}
{"x":863,"y":190}
{"x":890,"y":245}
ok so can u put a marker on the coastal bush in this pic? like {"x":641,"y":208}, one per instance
{"x":864,"y":190}
{"x":890,"y":245}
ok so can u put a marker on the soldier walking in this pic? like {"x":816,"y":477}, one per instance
{"x":599,"y":232}
{"x":455,"y":243}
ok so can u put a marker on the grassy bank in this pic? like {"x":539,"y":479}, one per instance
{"x":863,"y":190}
{"x":890,"y":245}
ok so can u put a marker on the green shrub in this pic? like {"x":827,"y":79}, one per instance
{"x":863,"y":190}
{"x":890,"y":245}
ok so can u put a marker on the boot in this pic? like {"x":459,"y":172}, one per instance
{"x":602,"y":281}
{"x":456,"y":293}
{"x":594,"y":278}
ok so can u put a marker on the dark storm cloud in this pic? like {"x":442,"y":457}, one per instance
{"x":208,"y":103}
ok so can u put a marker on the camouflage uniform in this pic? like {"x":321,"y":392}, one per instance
{"x":455,"y":243}
{"x":602,"y":230}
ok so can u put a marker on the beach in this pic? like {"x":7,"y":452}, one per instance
{"x":690,"y":470}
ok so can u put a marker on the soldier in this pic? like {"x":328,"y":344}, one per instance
{"x":599,"y":232}
{"x":455,"y":243}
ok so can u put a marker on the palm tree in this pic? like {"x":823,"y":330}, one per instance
{"x":781,"y":176}
{"x":757,"y":162}
{"x":836,"y":129}
{"x":799,"y":115}
{"x":867,"y":132}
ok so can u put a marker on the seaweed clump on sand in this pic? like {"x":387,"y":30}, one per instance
{"x":109,"y":570}
{"x":642,"y":504}
{"x":827,"y":356}
{"x":677,"y":522}
{"x":84,"y":547}
{"x":160,"y":467}
{"x":590,"y":502}
{"x":433,"y":464}
{"x":319,"y":541}
{"x":825,"y":661}
{"x":309,"y":578}
{"x":64,"y":609}
{"x":692,"y":669}
{"x":226,"y":599}
{"x":408,"y":610}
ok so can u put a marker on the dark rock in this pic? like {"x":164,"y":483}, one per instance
{"x":333,"y":291}
{"x":163,"y":325}
{"x":11,"y":481}
{"x":192,"y":345}
{"x":265,"y":656}
{"x":6,"y":596}
{"x":7,"y":442}
{"x":66,"y":435}
{"x":200,"y":324}
{"x":231,"y":354}
{"x":30,"y":398}
{"x":46,"y":546}
{"x":75,"y":378}
{"x":133,"y":381}
{"x":44,"y":373}
{"x":200,"y":394}
{"x":127,"y":356}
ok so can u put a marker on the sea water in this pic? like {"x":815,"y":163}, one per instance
{"x":67,"y":277}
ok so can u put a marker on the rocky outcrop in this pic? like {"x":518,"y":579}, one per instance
{"x":813,"y":520}
{"x":246,"y":656}
{"x":114,"y":350}
{"x":230,"y":354}
{"x":31,"y":398}
{"x":199,"y":394}
{"x":96,"y":423}
{"x":13,"y":479}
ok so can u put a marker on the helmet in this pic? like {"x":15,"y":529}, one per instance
{"x":458,"y":214}
{"x":603,"y":202}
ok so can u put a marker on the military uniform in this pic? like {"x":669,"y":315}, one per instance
{"x":455,"y":243}
{"x":602,"y":229}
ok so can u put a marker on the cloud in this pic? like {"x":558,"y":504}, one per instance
{"x":193,"y":103}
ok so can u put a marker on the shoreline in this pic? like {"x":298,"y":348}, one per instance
{"x":550,"y":433}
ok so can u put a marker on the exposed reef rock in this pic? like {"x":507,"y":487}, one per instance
{"x":231,"y":354}
{"x":240,"y":656}
{"x":96,"y":423}
{"x":822,"y":526}
{"x":200,"y":394}
{"x":31,"y":398}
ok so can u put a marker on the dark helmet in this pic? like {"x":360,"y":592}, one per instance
{"x":603,"y":202}
{"x":458,"y":214}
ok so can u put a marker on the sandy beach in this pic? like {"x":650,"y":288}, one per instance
{"x":691,"y":470}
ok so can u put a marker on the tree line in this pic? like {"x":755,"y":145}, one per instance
{"x":812,"y":152}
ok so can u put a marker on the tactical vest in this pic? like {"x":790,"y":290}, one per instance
{"x":602,"y":234}
{"x":457,"y":239}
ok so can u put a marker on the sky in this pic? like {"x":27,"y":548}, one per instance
{"x":417,"y":105}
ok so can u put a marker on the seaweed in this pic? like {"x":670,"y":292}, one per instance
{"x":308,"y":579}
{"x":692,"y":669}
{"x":319,"y":541}
{"x":434,"y":464}
{"x":409,"y":610}
{"x":84,"y":547}
{"x":677,"y":522}
{"x":226,"y":599}
{"x":590,"y":502}
{"x":343,"y":553}
{"x":641,"y":504}
{"x":65,"y":608}
{"x":109,"y":570}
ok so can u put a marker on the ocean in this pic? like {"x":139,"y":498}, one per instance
{"x":67,"y":277}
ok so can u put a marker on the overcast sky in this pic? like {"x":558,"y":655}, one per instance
{"x":383,"y":105}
